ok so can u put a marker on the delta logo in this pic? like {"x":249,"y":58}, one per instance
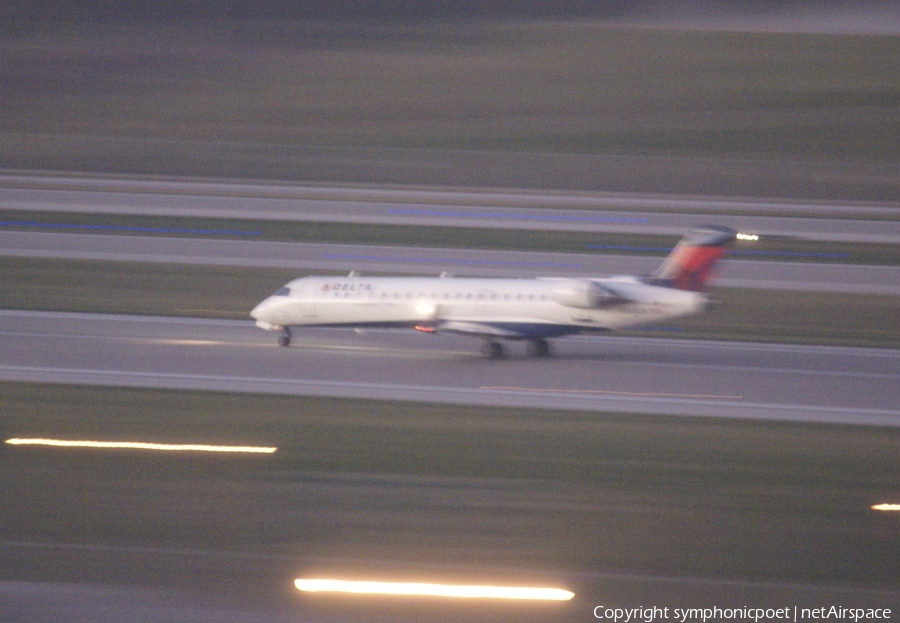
{"x":346,"y":287}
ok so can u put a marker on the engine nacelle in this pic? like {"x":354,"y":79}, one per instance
{"x":584,"y":294}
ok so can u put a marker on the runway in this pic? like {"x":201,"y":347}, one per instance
{"x":758,"y":381}
{"x":429,"y":261}
{"x":102,"y":538}
{"x":600,"y":213}
{"x":378,"y":194}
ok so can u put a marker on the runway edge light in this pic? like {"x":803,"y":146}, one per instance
{"x":433,"y":590}
{"x":139,"y":445}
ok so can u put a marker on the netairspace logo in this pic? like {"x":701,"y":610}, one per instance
{"x":794,"y":614}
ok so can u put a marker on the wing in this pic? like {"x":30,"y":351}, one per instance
{"x":508,"y":328}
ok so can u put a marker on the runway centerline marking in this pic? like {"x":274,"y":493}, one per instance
{"x":609,"y":392}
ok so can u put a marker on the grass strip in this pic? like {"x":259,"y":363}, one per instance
{"x":544,"y":87}
{"x":230,"y":292}
{"x":650,"y":494}
{"x":792,"y":317}
{"x":773,"y":248}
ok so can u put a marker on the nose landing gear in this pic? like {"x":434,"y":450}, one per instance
{"x":285,"y":338}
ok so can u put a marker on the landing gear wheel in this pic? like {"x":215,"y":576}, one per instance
{"x":492,"y":350}
{"x":537,"y":347}
{"x":284,"y":340}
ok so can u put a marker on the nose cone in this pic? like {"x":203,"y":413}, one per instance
{"x":264,"y":314}
{"x":261,"y":311}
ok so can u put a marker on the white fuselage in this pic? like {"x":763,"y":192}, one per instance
{"x":504,"y":308}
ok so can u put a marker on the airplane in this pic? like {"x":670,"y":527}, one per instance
{"x":530,"y":310}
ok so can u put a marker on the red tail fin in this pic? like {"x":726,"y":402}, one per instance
{"x":690,"y":263}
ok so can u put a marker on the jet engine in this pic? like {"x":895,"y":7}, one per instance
{"x":584,"y":294}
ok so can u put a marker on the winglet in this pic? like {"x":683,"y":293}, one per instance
{"x":689,"y":265}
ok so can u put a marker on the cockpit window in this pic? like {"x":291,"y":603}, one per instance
{"x":283,"y":292}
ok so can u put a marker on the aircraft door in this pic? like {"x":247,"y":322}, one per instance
{"x":305,"y":300}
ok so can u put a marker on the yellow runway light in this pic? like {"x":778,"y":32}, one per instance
{"x":433,"y":590}
{"x":886,"y":507}
{"x":136,"y":445}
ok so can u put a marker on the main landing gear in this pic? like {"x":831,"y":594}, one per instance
{"x":285,"y":338}
{"x":492,"y":349}
{"x":537,"y":347}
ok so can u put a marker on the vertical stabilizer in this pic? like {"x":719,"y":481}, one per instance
{"x":690,"y":263}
